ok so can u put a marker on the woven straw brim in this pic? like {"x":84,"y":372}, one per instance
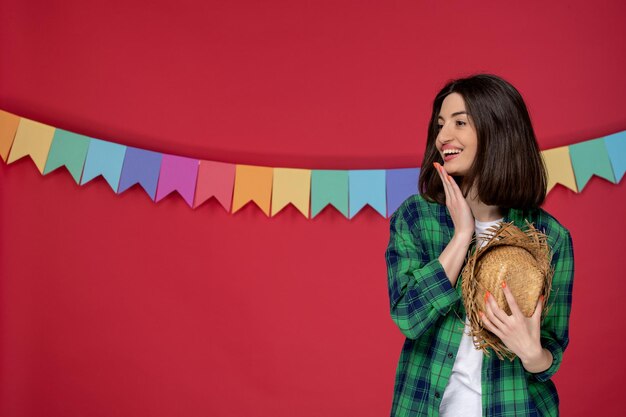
{"x":519,"y":258}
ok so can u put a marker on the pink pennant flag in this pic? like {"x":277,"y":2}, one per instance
{"x":215,"y":179}
{"x":177,"y":174}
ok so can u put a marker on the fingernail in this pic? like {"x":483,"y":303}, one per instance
{"x":450,"y":178}
{"x":541,"y":298}
{"x":481,"y":314}
{"x":487,"y":294}
{"x":436,"y":165}
{"x":503,"y":284}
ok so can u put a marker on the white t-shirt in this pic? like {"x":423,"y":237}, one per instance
{"x":462,"y":396}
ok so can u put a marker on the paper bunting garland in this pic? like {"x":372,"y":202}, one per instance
{"x":588,"y":159}
{"x":401,"y":183}
{"x":106,"y":159}
{"x":178,"y":174}
{"x":291,"y":186}
{"x":367,"y":187}
{"x":8,"y":127}
{"x":559,"y":167}
{"x":70,"y":150}
{"x":33,"y":139}
{"x":215,"y":179}
{"x":616,"y":148}
{"x":271,"y":189}
{"x":253,"y":184}
{"x":329,"y":187}
{"x":140,"y":167}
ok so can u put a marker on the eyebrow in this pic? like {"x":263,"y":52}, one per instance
{"x":453,"y":114}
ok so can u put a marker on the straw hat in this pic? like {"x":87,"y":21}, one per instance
{"x":523,"y":260}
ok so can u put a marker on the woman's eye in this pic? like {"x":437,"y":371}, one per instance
{"x":439,"y":127}
{"x":460,"y":123}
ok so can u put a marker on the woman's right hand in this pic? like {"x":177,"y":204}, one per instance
{"x":458,"y":208}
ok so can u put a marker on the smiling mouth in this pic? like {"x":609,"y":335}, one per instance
{"x":450,"y":154}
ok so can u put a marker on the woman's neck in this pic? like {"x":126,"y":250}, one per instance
{"x":481,"y":211}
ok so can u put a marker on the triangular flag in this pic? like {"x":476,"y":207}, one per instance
{"x":291,"y":186}
{"x":253,"y":183}
{"x":367,"y":187}
{"x":8,"y":127}
{"x":401,"y":184}
{"x":559,"y":167}
{"x":34,"y":139}
{"x":590,"y":158}
{"x":329,"y":187}
{"x":616,"y":147}
{"x":141,"y":167}
{"x":215,"y":179}
{"x":70,"y":150}
{"x":106,"y":159}
{"x":178,"y":173}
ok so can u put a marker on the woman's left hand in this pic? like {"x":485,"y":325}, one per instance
{"x":519,"y":333}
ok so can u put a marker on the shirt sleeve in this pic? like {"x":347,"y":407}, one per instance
{"x":555,"y":326}
{"x":419,"y":289}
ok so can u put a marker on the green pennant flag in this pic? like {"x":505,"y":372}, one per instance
{"x":67,"y":149}
{"x":590,"y":158}
{"x":329,"y":187}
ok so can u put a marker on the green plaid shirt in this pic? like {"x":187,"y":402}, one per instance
{"x":429,"y":312}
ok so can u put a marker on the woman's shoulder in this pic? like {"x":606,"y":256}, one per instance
{"x":546,"y":223}
{"x":417,"y":209}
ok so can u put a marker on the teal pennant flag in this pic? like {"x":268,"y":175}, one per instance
{"x":329,"y":187}
{"x":106,"y":159}
{"x":367,"y":187}
{"x":70,"y":150}
{"x":616,"y":147}
{"x":590,"y":158}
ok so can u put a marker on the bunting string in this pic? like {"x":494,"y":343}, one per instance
{"x":271,"y":189}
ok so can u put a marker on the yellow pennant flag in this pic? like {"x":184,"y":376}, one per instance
{"x":291,"y":186}
{"x":252,"y":184}
{"x":8,"y":127}
{"x":34,"y":139}
{"x":559,"y":167}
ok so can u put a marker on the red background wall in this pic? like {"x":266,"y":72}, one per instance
{"x":111,"y":305}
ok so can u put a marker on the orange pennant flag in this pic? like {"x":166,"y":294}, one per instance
{"x":291,"y":186}
{"x":252,"y":183}
{"x":559,"y":167}
{"x":34,"y":139}
{"x":8,"y":127}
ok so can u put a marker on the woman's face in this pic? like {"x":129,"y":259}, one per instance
{"x":456,"y":142}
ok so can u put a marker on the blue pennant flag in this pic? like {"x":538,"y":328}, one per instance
{"x":401,"y":184}
{"x":367,"y":187}
{"x":616,"y":147}
{"x":106,"y":159}
{"x":141,"y":167}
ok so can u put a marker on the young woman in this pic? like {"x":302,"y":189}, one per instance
{"x":482,"y":166}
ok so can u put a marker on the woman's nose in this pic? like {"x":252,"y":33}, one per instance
{"x":445,"y":135}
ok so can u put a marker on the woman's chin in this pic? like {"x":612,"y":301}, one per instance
{"x":454,"y":171}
